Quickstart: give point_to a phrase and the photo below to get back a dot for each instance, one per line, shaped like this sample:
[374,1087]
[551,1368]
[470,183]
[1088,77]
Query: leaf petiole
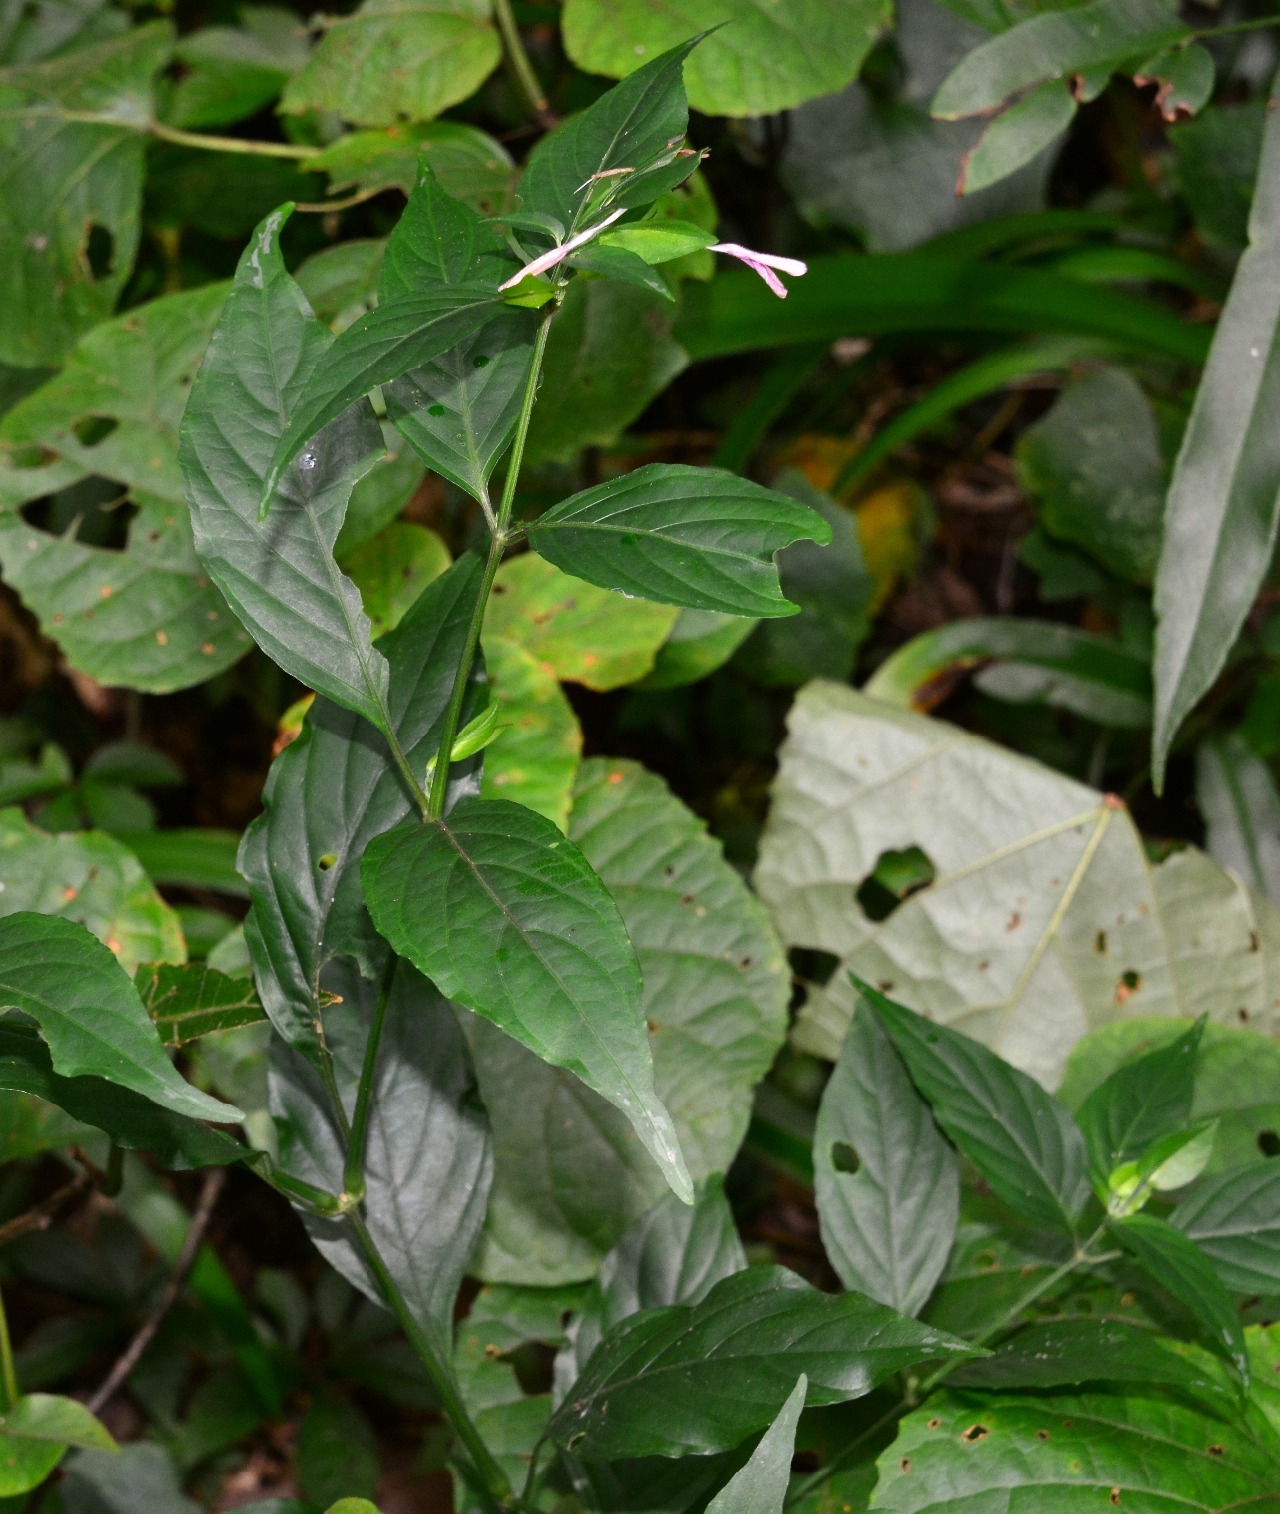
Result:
[8,1372]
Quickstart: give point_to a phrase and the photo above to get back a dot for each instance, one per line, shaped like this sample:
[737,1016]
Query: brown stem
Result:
[132,1354]
[40,1216]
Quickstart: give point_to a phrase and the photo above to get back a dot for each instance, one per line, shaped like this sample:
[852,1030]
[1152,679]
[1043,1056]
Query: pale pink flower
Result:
[558,254]
[764,263]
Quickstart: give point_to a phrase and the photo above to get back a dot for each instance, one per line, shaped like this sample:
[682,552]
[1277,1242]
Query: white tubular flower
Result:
[764,263]
[558,254]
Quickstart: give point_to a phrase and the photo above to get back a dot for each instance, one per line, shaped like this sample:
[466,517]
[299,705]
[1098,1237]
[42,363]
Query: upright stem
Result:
[8,1373]
[353,1181]
[520,64]
[497,544]
[493,1480]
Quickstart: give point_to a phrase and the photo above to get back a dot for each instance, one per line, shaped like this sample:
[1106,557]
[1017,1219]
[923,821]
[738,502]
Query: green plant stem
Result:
[353,1180]
[1235,26]
[518,58]
[209,143]
[493,1482]
[497,545]
[8,1372]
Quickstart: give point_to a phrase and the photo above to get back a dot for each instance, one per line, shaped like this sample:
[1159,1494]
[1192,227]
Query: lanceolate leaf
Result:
[1018,135]
[695,537]
[1234,1218]
[194,1000]
[90,1014]
[701,1377]
[761,1486]
[886,1182]
[1224,502]
[1181,1267]
[1027,1146]
[279,574]
[507,917]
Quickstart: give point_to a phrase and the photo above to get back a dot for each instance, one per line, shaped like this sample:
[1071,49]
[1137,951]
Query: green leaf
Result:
[195,1000]
[231,72]
[143,615]
[1217,159]
[886,1183]
[1095,467]
[1178,1158]
[1140,1102]
[583,634]
[1042,917]
[960,1452]
[930,292]
[188,858]
[337,1452]
[621,151]
[700,642]
[569,1183]
[1184,76]
[697,537]
[131,1120]
[47,1417]
[761,1486]
[392,62]
[609,355]
[1238,798]
[1099,34]
[471,165]
[71,133]
[140,1475]
[507,917]
[1026,1145]
[759,61]
[89,1012]
[91,879]
[657,241]
[701,1377]
[328,794]
[673,1254]
[279,574]
[1017,136]
[1234,1218]
[534,757]
[1223,507]
[1184,1270]
[392,569]
[427,1158]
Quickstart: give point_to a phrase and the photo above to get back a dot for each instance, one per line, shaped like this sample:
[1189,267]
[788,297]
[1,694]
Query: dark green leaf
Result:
[337,1453]
[1099,34]
[1223,507]
[1237,796]
[470,164]
[1180,1267]
[701,1377]
[232,72]
[623,266]
[89,1012]
[1217,159]
[279,574]
[1017,136]
[1027,1146]
[194,1000]
[886,1183]
[129,1119]
[1234,1218]
[138,1476]
[71,136]
[438,240]
[696,537]
[507,917]
[761,1486]
[194,858]
[1140,1102]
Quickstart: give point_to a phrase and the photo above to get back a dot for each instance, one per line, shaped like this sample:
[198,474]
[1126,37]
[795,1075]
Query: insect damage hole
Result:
[896,876]
[1269,1143]
[975,1433]
[844,1157]
[100,251]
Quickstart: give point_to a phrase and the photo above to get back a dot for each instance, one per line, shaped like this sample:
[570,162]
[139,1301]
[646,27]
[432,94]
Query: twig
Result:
[40,1216]
[132,1353]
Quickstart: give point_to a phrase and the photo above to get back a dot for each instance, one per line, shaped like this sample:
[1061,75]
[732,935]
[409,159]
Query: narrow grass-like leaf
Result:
[1024,1143]
[1223,507]
[695,537]
[506,916]
[886,1182]
[89,1013]
[761,1486]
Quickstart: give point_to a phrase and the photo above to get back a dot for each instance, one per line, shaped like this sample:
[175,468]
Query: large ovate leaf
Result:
[581,633]
[761,1486]
[427,1158]
[143,615]
[886,1182]
[1223,507]
[534,758]
[279,574]
[391,62]
[961,1452]
[570,1175]
[507,917]
[72,145]
[1238,798]
[1043,918]
[89,1012]
[1025,1144]
[701,1377]
[696,537]
[764,59]
[328,794]
[1234,1218]
[90,878]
